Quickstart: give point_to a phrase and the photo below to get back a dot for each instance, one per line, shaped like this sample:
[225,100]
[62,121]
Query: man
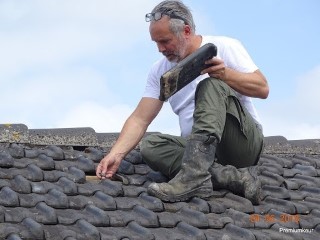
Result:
[221,138]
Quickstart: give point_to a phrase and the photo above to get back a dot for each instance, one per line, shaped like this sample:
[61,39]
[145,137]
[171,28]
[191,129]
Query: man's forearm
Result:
[249,84]
[131,134]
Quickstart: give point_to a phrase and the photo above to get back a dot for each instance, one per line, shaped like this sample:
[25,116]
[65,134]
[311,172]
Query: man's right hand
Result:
[108,166]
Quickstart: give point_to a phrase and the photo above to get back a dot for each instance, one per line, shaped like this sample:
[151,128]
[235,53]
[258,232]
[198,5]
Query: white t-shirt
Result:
[234,55]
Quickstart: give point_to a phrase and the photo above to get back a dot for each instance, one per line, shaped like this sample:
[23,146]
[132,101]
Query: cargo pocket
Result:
[236,110]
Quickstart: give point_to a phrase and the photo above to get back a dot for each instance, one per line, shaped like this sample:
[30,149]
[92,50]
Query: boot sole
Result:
[198,192]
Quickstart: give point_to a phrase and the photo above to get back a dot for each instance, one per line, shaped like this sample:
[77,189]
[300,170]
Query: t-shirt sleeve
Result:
[152,88]
[237,57]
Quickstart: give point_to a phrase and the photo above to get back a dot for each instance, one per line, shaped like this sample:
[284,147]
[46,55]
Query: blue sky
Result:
[81,63]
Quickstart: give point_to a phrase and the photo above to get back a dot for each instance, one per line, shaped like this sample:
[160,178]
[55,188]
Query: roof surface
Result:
[48,191]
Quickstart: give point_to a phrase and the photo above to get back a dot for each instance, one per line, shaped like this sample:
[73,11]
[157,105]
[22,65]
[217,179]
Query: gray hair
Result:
[179,9]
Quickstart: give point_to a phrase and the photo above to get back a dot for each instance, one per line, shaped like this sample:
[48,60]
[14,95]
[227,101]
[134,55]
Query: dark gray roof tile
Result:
[107,186]
[240,219]
[30,172]
[216,206]
[188,230]
[32,153]
[137,180]
[310,191]
[145,217]
[126,168]
[275,191]
[284,219]
[84,230]
[273,234]
[129,191]
[297,195]
[53,198]
[306,221]
[16,150]
[4,183]
[52,151]
[93,154]
[139,214]
[134,157]
[8,197]
[126,203]
[168,219]
[280,205]
[230,231]
[6,160]
[174,207]
[199,204]
[41,213]
[306,180]
[270,178]
[313,203]
[291,185]
[80,162]
[157,177]
[261,221]
[181,231]
[272,167]
[141,169]
[272,160]
[236,202]
[306,161]
[305,170]
[42,161]
[20,184]
[151,203]
[132,231]
[217,221]
[13,236]
[99,199]
[45,194]
[74,174]
[192,217]
[92,214]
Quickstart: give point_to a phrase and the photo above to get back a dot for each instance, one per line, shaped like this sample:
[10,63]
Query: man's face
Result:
[173,47]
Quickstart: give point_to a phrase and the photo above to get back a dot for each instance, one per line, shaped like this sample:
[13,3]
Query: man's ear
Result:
[187,30]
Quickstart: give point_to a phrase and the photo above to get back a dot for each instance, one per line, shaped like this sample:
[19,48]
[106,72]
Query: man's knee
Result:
[214,84]
[147,146]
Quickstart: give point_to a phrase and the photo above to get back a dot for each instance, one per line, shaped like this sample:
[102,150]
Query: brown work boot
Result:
[193,179]
[242,181]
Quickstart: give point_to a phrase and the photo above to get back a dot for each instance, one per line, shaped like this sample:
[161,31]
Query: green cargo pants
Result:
[217,112]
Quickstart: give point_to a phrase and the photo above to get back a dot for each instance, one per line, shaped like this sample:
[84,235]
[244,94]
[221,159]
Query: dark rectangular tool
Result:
[185,71]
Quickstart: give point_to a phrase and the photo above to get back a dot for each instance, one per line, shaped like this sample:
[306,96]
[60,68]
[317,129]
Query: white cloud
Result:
[55,58]
[307,92]
[112,118]
[298,116]
[166,122]
[100,118]
[55,53]
[57,32]
[44,98]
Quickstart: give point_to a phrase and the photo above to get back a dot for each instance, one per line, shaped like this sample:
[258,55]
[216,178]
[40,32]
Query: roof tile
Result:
[45,194]
[276,192]
[107,186]
[6,160]
[8,197]
[280,205]
[20,184]
[230,231]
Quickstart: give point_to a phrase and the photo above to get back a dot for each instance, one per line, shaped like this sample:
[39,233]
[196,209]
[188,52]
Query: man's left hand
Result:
[217,70]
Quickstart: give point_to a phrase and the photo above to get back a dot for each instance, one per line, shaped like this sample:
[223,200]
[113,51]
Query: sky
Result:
[84,63]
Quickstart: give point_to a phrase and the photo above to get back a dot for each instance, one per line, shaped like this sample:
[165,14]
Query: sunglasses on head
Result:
[158,15]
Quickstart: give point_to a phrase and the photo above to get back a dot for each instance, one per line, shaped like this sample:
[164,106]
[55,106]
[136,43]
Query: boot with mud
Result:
[242,181]
[193,179]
